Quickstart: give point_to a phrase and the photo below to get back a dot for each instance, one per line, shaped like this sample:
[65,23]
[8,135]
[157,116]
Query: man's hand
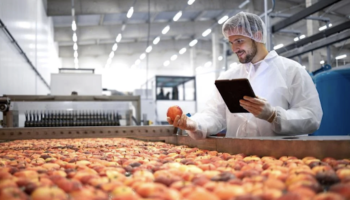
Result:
[183,122]
[259,107]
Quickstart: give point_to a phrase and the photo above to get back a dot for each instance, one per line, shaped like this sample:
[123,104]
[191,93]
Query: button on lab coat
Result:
[284,83]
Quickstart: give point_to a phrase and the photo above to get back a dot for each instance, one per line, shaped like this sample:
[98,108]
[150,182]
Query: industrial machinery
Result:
[333,89]
[65,111]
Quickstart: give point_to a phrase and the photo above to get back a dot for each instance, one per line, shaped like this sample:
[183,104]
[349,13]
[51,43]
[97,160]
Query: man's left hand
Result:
[259,107]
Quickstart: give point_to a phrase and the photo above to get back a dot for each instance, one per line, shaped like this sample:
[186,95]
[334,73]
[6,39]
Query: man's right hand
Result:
[183,122]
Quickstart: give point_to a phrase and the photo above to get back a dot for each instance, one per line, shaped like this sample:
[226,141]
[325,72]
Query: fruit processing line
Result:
[68,111]
[299,146]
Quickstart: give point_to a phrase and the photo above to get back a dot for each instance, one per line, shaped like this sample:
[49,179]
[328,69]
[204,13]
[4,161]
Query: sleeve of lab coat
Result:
[211,120]
[305,113]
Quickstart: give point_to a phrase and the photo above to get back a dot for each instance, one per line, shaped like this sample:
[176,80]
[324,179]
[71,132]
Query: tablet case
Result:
[232,91]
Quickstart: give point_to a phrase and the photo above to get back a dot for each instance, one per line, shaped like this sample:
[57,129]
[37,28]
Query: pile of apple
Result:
[118,169]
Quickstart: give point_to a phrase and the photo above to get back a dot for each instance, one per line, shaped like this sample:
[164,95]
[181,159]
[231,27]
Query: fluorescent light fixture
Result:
[223,19]
[75,54]
[324,27]
[206,32]
[115,47]
[111,55]
[123,27]
[109,61]
[76,66]
[296,39]
[340,57]
[243,4]
[137,62]
[156,40]
[165,30]
[177,16]
[207,64]
[75,38]
[278,46]
[322,62]
[190,2]
[75,46]
[74,25]
[76,61]
[193,42]
[142,56]
[173,57]
[166,63]
[220,58]
[119,37]
[149,49]
[130,12]
[302,36]
[182,51]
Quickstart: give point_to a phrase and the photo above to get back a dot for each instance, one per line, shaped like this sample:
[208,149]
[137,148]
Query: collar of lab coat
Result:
[271,55]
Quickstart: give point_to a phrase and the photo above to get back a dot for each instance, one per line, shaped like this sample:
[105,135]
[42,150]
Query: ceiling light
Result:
[76,61]
[111,55]
[182,51]
[190,2]
[75,46]
[156,40]
[177,16]
[243,4]
[296,39]
[149,49]
[207,64]
[75,54]
[165,30]
[302,36]
[324,27]
[76,66]
[166,63]
[220,58]
[193,42]
[75,38]
[123,27]
[322,62]
[130,12]
[278,46]
[115,47]
[223,19]
[119,37]
[173,57]
[137,62]
[142,56]
[340,57]
[74,25]
[206,32]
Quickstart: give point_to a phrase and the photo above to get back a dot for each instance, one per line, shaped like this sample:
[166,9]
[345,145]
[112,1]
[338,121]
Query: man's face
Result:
[244,47]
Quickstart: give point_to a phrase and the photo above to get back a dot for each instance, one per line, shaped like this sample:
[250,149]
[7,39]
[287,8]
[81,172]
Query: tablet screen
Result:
[232,91]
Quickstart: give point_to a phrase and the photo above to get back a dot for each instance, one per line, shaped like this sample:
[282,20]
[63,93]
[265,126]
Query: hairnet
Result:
[245,24]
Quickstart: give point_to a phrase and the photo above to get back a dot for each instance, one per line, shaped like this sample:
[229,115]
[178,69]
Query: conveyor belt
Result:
[299,146]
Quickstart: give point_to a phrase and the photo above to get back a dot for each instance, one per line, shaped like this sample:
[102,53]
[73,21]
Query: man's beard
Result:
[249,57]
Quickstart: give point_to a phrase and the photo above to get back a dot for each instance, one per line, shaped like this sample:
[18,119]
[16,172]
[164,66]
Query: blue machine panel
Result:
[333,87]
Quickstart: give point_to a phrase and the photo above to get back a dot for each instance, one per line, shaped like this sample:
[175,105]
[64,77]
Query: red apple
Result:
[174,111]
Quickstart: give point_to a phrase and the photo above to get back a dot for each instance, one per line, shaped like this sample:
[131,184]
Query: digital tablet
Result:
[232,91]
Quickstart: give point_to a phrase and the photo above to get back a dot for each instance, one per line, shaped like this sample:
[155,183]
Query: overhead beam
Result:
[318,44]
[132,31]
[281,15]
[84,7]
[318,36]
[302,14]
[130,48]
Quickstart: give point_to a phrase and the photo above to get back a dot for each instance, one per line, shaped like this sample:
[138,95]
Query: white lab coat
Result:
[284,83]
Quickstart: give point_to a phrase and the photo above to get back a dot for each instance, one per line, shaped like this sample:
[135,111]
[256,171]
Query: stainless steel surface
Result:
[300,146]
[42,103]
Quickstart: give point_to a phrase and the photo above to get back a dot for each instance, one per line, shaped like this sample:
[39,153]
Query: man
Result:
[287,101]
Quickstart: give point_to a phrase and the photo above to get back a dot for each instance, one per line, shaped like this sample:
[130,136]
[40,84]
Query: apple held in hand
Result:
[173,111]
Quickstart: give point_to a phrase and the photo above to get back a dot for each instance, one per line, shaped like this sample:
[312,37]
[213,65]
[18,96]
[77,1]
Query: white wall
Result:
[33,31]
